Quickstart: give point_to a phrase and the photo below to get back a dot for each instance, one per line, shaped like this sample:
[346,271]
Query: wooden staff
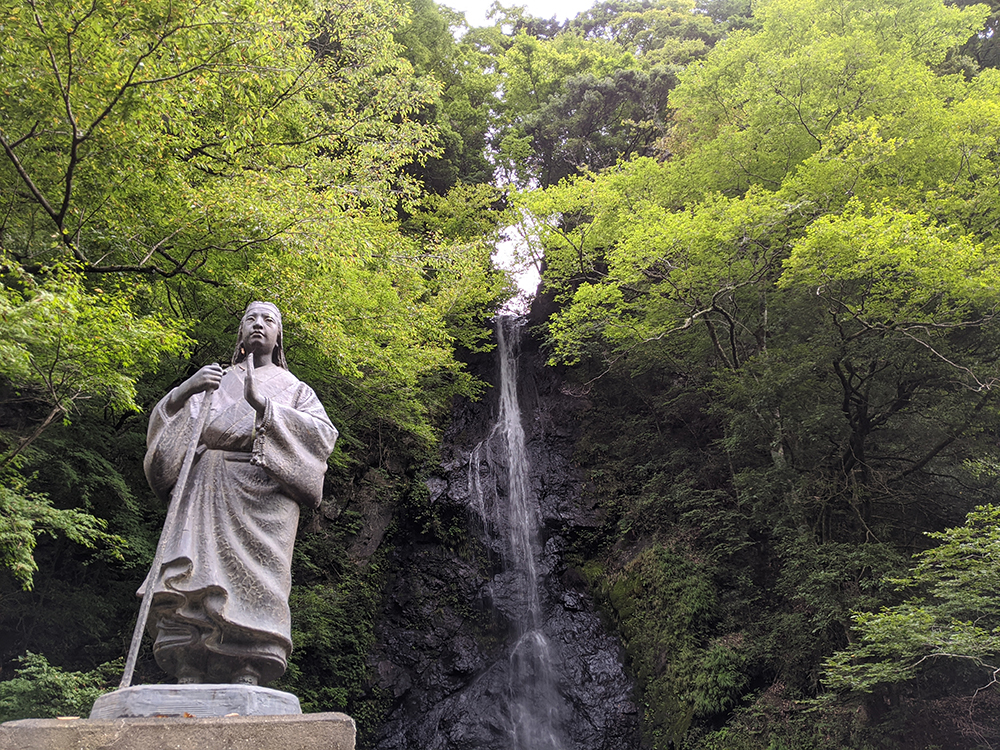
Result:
[172,511]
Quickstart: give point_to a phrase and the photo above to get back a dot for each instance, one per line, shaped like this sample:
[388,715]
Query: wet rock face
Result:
[446,638]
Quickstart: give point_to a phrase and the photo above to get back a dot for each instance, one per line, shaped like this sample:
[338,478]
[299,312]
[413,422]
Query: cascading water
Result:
[507,508]
[490,641]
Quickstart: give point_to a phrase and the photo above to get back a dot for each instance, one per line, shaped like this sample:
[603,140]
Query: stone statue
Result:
[219,611]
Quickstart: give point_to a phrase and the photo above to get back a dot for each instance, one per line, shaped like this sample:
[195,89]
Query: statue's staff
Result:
[172,511]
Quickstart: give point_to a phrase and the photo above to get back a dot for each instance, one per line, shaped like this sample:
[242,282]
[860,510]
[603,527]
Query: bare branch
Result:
[20,447]
[30,134]
[981,386]
[36,193]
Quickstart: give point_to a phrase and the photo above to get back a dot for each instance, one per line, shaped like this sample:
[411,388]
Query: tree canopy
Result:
[162,164]
[812,249]
[769,236]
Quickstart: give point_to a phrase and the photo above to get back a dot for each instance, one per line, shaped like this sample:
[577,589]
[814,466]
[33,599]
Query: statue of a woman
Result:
[220,599]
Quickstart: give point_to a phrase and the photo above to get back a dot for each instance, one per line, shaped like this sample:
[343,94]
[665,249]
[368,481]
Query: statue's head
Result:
[270,312]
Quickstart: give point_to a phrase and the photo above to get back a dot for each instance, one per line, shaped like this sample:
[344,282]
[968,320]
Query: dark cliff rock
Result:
[445,639]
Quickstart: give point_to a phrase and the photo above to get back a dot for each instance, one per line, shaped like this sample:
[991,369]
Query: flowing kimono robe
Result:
[220,598]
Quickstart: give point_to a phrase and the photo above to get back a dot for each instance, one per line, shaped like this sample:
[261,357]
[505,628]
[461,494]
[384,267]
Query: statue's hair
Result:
[278,355]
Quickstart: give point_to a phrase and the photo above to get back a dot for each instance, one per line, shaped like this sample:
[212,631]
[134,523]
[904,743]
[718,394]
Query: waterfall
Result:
[507,509]
[494,643]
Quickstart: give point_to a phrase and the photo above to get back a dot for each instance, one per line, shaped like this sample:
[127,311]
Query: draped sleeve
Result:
[292,442]
[167,440]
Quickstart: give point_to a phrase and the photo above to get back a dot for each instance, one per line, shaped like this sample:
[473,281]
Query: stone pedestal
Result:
[194,701]
[328,731]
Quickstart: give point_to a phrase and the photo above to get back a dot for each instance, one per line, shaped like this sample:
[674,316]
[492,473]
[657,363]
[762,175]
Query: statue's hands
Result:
[206,379]
[251,391]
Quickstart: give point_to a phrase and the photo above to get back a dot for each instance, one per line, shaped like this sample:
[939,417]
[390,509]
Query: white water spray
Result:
[535,707]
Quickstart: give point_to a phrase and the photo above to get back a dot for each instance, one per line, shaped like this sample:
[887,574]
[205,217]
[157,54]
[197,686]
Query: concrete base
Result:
[329,731]
[194,701]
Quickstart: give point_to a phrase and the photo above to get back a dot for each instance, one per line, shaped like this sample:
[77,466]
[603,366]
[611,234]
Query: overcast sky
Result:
[475,10]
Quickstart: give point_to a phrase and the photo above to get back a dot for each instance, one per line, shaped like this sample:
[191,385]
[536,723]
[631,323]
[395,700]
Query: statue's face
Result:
[260,329]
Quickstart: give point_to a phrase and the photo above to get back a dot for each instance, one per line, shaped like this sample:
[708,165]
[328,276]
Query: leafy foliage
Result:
[167,163]
[584,94]
[803,296]
[41,690]
[951,613]
[771,261]
[461,111]
[25,515]
[63,345]
[666,606]
[161,165]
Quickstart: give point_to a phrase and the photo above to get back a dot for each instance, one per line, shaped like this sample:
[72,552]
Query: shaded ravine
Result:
[495,644]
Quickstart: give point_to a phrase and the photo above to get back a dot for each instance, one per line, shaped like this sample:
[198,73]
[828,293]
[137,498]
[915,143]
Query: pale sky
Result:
[475,10]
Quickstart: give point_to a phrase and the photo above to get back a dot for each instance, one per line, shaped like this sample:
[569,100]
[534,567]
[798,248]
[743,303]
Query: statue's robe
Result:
[220,598]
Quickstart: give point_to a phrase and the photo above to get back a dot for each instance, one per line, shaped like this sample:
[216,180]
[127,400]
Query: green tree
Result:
[166,163]
[161,166]
[810,280]
[62,347]
[754,110]
[950,614]
[462,111]
[587,93]
[40,690]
